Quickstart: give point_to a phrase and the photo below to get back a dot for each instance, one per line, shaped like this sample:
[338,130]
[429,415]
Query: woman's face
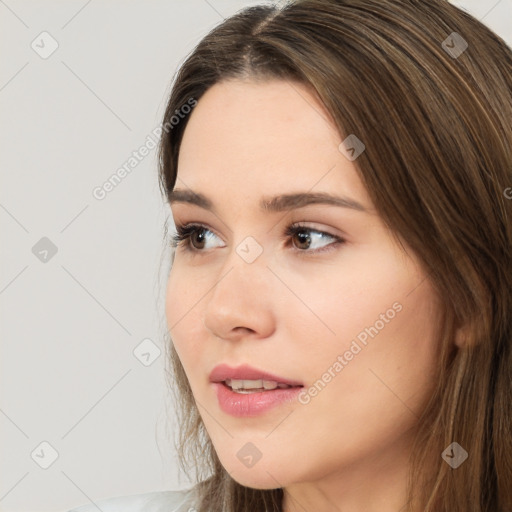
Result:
[352,320]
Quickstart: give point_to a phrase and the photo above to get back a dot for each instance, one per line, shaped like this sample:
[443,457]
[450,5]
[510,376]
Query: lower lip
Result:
[252,404]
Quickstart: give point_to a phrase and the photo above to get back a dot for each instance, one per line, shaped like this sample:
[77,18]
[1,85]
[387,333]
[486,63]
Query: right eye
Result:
[191,237]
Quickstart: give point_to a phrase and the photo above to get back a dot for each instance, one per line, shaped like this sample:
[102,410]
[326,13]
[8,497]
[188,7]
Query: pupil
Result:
[200,235]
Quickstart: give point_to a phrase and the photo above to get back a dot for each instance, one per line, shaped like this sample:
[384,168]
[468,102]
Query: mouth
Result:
[249,379]
[248,401]
[245,386]
[245,391]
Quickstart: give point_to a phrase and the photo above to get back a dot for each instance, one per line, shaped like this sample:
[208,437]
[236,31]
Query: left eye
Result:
[307,238]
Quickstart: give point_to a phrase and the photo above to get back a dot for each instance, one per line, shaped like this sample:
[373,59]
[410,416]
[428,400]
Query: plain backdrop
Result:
[84,408]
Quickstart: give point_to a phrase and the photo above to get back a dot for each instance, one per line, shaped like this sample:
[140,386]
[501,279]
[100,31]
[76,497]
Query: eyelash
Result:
[184,232]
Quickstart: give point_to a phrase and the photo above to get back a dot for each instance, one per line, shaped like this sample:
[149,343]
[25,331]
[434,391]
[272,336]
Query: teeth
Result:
[236,384]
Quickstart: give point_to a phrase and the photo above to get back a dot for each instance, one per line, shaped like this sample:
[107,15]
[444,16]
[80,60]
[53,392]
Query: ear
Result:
[461,337]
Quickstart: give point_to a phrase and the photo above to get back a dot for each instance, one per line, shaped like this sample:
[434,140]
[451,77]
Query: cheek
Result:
[182,314]
[388,362]
[410,358]
[339,302]
[380,319]
[376,397]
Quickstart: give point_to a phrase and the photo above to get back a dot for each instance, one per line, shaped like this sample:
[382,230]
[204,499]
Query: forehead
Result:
[246,115]
[262,138]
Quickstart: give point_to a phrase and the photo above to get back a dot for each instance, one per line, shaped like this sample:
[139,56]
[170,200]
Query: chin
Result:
[263,475]
[260,480]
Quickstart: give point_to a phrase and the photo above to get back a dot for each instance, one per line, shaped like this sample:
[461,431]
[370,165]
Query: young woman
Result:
[340,298]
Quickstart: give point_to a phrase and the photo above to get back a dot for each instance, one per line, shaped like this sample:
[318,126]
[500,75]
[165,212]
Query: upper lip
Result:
[245,372]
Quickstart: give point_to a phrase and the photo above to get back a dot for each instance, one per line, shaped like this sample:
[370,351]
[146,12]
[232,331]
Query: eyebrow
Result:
[274,204]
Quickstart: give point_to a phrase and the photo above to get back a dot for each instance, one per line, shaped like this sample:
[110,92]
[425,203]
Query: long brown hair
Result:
[434,110]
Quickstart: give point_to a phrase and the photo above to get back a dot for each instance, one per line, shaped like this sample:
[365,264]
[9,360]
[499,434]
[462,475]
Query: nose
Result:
[240,304]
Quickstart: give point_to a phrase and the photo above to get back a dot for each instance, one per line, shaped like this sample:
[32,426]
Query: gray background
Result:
[70,321]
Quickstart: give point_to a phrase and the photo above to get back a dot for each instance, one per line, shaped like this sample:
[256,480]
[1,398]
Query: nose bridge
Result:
[240,297]
[244,270]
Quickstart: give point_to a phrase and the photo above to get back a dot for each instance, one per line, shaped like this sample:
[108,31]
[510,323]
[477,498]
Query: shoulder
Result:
[163,501]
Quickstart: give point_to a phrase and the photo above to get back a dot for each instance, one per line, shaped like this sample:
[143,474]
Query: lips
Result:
[245,372]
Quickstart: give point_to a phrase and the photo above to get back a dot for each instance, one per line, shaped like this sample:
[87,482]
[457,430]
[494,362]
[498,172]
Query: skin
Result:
[293,313]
